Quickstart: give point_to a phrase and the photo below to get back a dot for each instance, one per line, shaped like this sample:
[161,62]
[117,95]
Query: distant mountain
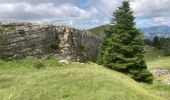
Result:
[162,30]
[150,32]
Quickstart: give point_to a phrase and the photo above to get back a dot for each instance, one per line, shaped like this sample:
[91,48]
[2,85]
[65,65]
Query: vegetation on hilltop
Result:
[160,43]
[99,29]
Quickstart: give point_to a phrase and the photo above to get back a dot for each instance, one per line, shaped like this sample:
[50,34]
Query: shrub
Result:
[39,65]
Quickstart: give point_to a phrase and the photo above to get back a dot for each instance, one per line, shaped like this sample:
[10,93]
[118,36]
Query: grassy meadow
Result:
[155,59]
[22,80]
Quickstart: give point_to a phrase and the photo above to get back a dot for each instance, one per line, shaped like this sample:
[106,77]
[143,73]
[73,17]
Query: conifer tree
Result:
[122,49]
[157,42]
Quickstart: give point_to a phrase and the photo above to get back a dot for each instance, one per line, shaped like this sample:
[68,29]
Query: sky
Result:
[82,14]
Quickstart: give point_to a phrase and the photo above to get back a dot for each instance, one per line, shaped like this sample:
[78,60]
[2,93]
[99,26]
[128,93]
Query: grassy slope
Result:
[98,29]
[19,81]
[155,59]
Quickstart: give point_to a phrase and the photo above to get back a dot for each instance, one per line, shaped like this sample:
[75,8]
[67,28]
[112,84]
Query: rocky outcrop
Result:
[159,72]
[163,73]
[20,40]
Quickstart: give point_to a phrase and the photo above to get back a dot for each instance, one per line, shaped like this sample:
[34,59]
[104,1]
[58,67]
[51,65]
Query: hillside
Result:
[99,29]
[20,81]
[156,59]
[149,32]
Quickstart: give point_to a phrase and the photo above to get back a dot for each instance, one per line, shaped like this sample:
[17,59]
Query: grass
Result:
[99,29]
[155,59]
[162,63]
[153,54]
[20,81]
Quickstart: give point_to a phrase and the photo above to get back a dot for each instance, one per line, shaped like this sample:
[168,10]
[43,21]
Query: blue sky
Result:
[82,14]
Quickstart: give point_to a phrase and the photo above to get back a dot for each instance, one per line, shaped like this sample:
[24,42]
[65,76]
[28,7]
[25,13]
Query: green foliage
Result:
[165,45]
[166,48]
[141,75]
[1,30]
[99,29]
[54,46]
[122,49]
[148,42]
[156,42]
[39,65]
[162,43]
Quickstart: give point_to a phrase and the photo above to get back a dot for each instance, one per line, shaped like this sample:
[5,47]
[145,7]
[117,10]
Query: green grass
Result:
[98,29]
[19,80]
[162,63]
[155,59]
[153,54]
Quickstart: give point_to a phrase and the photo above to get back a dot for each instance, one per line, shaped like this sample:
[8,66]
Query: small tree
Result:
[147,42]
[165,45]
[122,50]
[156,42]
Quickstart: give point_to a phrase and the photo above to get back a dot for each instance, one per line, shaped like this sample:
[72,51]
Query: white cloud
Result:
[105,7]
[27,11]
[35,2]
[161,21]
[151,8]
[108,6]
[69,12]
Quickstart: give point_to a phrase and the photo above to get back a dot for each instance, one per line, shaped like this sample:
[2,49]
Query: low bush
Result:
[38,65]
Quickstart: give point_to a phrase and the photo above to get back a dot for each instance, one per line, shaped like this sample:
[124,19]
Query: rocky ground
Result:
[162,74]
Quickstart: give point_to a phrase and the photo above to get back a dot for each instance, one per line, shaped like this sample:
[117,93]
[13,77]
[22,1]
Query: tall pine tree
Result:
[122,49]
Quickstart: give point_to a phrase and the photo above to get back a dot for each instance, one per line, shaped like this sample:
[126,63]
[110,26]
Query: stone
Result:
[31,57]
[166,81]
[162,73]
[63,61]
[17,56]
[159,72]
[46,57]
[40,40]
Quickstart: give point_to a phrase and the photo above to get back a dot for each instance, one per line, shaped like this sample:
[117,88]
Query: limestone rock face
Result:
[21,40]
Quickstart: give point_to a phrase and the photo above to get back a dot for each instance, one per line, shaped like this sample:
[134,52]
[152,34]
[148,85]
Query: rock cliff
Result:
[21,40]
